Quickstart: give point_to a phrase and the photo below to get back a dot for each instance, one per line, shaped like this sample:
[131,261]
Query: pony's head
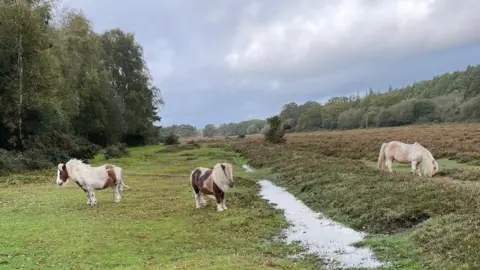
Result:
[227,173]
[429,164]
[62,174]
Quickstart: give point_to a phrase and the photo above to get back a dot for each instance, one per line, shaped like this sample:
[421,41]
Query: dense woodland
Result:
[451,97]
[66,91]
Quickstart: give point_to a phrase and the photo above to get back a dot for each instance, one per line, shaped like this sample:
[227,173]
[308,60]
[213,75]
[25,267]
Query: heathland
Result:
[416,222]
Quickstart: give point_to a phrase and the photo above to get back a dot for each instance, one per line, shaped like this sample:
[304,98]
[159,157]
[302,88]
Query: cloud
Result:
[326,36]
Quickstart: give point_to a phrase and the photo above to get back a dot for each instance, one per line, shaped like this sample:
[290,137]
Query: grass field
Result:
[155,226]
[413,222]
[419,223]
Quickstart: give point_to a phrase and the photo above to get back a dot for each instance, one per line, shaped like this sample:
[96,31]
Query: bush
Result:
[58,147]
[276,131]
[171,139]
[241,136]
[46,150]
[116,151]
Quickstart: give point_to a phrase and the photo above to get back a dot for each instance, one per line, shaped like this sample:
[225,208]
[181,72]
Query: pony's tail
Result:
[381,157]
[120,179]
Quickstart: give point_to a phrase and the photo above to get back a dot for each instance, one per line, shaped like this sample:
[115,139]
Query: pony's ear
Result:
[223,166]
[60,166]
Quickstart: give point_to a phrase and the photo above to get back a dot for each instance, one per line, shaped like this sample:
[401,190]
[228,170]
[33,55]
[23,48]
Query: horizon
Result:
[264,55]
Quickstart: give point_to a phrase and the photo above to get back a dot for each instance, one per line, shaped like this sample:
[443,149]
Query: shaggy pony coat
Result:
[414,153]
[213,183]
[90,178]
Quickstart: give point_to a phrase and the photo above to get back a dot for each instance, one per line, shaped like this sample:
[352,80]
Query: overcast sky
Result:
[220,61]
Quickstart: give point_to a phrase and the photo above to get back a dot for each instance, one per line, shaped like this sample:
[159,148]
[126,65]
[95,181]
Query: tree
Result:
[311,119]
[276,131]
[65,89]
[252,129]
[132,83]
[265,129]
[350,119]
[209,130]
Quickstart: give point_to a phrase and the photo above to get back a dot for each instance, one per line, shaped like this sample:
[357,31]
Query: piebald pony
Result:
[414,153]
[212,182]
[90,178]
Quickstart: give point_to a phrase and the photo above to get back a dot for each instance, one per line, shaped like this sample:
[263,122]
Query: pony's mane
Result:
[426,151]
[219,176]
[77,163]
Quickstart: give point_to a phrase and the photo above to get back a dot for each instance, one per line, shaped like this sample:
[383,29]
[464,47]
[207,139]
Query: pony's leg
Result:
[201,199]
[93,200]
[197,199]
[116,193]
[196,193]
[219,200]
[414,166]
[89,201]
[389,164]
[222,196]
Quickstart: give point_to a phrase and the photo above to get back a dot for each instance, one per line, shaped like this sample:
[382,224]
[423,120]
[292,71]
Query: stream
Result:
[331,240]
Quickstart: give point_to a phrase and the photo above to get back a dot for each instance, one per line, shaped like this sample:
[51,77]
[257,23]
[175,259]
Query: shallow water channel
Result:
[331,240]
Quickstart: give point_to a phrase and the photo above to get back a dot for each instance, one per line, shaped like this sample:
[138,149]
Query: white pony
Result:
[414,153]
[90,178]
[212,182]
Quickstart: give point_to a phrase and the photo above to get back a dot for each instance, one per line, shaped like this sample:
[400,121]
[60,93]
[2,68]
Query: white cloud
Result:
[322,35]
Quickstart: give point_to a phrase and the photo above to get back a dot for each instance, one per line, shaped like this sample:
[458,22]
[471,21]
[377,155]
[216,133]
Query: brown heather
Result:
[426,223]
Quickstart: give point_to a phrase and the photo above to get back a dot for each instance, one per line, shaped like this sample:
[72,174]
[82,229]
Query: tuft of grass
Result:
[155,226]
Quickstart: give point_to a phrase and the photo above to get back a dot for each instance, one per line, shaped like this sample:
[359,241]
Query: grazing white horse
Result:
[90,178]
[212,182]
[414,153]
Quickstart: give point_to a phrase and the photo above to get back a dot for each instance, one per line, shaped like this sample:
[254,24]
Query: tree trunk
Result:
[20,88]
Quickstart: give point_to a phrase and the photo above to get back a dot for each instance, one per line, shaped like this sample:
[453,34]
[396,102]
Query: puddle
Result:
[247,168]
[331,240]
[319,235]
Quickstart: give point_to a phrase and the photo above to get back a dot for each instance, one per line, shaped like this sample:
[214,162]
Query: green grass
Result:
[155,226]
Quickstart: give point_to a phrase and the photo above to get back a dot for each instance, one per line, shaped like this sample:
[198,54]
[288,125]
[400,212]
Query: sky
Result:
[221,61]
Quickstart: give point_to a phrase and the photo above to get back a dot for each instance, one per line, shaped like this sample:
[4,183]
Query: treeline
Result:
[232,129]
[66,91]
[451,97]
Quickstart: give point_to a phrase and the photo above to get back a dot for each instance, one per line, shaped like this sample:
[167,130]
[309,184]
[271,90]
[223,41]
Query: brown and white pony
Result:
[212,182]
[414,153]
[90,178]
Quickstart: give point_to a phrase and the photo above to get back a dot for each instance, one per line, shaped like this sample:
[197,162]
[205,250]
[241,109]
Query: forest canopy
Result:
[65,90]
